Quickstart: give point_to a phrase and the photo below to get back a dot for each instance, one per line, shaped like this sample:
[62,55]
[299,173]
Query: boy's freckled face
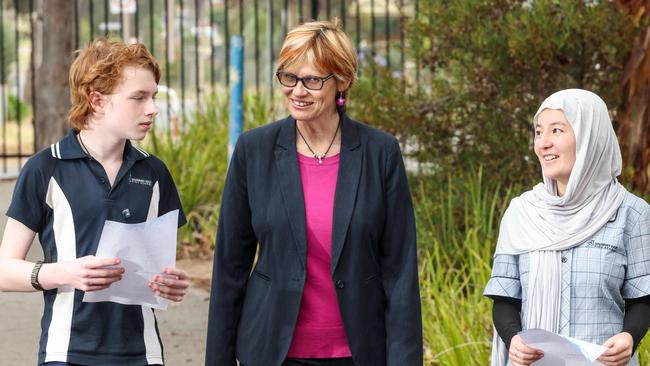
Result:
[131,107]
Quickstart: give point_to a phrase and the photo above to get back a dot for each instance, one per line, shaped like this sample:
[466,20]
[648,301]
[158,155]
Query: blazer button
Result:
[563,259]
[340,284]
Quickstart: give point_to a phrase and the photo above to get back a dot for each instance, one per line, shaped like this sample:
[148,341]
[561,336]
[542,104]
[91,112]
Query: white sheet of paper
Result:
[144,250]
[561,350]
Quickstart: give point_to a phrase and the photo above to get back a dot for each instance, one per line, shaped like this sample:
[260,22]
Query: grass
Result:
[456,231]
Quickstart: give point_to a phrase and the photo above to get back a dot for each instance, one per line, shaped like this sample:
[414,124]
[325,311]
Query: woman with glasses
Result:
[573,254]
[323,202]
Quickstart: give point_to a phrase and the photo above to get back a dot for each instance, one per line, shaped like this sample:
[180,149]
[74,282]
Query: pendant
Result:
[319,157]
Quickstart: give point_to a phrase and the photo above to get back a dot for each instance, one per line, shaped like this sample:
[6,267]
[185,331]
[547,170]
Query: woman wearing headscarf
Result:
[573,253]
[324,202]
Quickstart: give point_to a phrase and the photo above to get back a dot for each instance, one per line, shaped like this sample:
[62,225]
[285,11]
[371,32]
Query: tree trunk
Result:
[634,123]
[54,46]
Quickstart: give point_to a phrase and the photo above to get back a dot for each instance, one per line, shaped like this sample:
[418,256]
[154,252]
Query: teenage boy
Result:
[66,192]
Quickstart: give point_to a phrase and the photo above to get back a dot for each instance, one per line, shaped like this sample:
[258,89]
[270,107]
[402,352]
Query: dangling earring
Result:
[340,101]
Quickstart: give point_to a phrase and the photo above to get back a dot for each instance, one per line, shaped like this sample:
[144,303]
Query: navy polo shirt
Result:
[65,196]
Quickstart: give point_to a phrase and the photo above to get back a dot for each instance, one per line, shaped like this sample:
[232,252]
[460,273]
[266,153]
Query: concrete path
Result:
[182,327]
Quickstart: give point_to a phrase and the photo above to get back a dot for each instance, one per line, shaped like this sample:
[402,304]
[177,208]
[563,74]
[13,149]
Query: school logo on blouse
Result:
[594,244]
[144,182]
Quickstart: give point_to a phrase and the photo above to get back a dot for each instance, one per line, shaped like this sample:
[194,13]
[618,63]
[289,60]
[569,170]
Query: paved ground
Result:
[182,326]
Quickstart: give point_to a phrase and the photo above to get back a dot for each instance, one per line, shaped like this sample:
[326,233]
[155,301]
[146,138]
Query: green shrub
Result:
[14,105]
[486,67]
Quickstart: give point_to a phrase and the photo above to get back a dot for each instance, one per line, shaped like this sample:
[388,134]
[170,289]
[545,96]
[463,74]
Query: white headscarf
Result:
[541,220]
[542,223]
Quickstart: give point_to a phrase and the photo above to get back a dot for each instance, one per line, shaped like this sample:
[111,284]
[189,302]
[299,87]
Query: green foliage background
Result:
[466,123]
[487,66]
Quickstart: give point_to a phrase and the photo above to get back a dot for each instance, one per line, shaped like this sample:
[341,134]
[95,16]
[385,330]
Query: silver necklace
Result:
[322,156]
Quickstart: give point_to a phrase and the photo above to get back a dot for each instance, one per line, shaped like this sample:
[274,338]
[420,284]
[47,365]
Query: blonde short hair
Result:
[98,67]
[322,44]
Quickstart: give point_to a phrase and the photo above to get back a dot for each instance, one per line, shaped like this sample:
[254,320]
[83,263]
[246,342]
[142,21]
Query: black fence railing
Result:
[190,39]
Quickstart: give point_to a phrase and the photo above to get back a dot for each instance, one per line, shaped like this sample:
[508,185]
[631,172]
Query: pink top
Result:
[319,330]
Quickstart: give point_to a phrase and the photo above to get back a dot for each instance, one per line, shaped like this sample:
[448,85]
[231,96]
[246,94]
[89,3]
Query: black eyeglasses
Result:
[309,82]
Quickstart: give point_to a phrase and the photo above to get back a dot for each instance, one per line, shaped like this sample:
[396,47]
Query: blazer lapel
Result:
[286,160]
[346,186]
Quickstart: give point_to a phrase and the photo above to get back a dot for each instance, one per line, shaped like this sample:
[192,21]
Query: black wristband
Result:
[34,277]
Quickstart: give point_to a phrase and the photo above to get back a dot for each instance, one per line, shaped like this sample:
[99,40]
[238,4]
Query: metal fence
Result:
[190,39]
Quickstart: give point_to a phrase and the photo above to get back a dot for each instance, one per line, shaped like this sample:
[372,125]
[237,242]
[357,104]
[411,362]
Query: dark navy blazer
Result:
[252,315]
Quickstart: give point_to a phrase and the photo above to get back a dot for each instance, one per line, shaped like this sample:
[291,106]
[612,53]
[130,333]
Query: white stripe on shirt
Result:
[58,333]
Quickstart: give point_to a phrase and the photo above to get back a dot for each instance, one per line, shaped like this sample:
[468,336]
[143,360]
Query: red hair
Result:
[98,68]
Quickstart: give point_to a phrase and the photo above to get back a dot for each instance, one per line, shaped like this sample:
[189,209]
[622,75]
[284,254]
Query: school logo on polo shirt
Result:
[144,182]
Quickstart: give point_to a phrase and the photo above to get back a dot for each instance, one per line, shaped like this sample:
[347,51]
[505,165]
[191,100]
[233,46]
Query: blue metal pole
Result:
[236,91]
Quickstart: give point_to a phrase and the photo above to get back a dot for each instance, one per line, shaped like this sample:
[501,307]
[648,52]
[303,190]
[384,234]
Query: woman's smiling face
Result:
[555,146]
[310,105]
